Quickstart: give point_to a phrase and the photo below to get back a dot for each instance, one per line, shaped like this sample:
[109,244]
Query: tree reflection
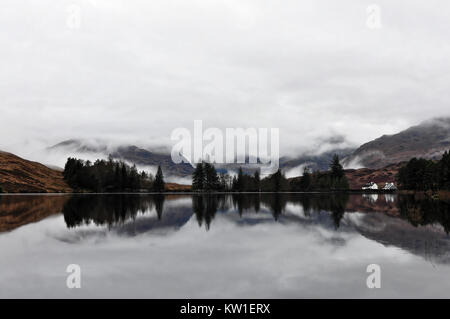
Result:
[158,200]
[206,206]
[421,211]
[334,203]
[246,202]
[276,202]
[109,209]
[117,209]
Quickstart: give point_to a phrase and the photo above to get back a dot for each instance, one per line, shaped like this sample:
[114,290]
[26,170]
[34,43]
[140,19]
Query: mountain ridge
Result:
[429,139]
[141,156]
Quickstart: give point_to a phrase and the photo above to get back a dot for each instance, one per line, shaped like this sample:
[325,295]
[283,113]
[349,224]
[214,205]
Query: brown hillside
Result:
[173,187]
[357,178]
[21,176]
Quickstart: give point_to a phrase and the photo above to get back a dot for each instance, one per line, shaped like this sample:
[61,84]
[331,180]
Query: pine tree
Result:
[123,176]
[211,178]
[198,178]
[337,171]
[234,184]
[257,180]
[444,171]
[240,181]
[305,180]
[277,181]
[117,177]
[158,184]
[337,178]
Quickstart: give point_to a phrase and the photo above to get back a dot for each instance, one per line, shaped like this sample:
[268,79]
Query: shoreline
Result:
[420,194]
[208,193]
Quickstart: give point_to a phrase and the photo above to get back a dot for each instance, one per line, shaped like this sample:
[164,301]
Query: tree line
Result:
[117,176]
[206,179]
[333,179]
[110,176]
[423,175]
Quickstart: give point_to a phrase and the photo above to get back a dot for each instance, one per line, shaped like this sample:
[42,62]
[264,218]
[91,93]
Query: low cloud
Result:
[134,71]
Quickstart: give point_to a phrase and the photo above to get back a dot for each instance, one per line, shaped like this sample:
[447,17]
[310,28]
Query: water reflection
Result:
[109,209]
[205,208]
[117,210]
[277,245]
[418,225]
[425,211]
[16,210]
[113,210]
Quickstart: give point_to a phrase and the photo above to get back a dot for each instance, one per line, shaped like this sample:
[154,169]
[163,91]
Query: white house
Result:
[389,186]
[370,185]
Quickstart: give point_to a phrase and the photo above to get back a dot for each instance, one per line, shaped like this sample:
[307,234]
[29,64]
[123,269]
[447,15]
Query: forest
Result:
[110,176]
[104,176]
[206,179]
[424,175]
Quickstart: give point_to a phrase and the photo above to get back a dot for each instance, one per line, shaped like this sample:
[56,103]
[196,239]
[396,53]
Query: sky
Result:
[326,73]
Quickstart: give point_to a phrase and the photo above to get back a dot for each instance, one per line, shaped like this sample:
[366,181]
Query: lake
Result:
[224,246]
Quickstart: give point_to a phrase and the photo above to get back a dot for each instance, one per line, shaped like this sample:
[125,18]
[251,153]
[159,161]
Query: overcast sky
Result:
[135,70]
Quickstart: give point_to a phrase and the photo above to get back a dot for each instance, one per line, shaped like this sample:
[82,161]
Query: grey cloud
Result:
[135,71]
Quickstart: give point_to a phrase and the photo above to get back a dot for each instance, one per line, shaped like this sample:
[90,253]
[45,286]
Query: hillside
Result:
[428,140]
[357,178]
[314,162]
[21,176]
[128,153]
[174,187]
[144,157]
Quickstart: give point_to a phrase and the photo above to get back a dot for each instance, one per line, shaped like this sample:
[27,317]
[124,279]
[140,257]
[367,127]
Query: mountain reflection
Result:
[117,209]
[417,224]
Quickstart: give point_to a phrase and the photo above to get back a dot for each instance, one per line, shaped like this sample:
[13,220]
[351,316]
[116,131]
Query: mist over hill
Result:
[148,158]
[129,153]
[430,140]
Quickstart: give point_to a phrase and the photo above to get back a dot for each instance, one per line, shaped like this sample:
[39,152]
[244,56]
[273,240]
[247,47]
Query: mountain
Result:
[132,154]
[314,162]
[81,146]
[18,175]
[141,156]
[144,157]
[427,140]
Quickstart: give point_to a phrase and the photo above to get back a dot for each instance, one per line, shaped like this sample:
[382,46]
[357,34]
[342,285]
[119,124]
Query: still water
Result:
[224,246]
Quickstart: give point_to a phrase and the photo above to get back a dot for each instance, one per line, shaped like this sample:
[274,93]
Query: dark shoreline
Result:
[445,194]
[207,193]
